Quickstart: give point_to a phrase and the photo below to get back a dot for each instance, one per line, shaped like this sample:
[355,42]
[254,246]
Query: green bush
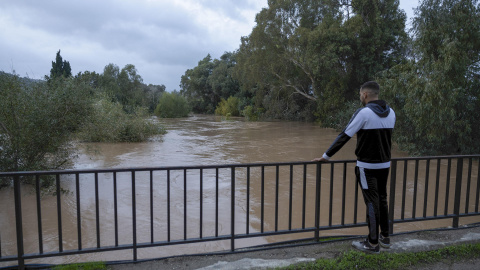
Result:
[172,105]
[228,107]
[37,121]
[251,114]
[109,123]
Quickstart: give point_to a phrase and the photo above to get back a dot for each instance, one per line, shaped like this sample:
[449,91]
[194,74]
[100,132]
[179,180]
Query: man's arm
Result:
[339,142]
[353,127]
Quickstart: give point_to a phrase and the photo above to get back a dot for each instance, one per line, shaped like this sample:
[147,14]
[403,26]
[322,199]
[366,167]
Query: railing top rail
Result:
[194,167]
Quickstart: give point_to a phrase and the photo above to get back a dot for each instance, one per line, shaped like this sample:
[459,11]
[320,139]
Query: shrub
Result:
[172,105]
[109,123]
[37,121]
[228,107]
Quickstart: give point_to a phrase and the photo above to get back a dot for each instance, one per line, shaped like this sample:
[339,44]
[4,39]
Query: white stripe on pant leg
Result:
[363,179]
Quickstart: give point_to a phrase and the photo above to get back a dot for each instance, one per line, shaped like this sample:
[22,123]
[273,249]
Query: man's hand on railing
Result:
[320,159]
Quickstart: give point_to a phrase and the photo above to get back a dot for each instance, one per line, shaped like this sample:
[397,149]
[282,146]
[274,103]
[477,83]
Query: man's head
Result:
[369,91]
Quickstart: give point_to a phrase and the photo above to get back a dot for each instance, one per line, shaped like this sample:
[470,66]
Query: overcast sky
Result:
[162,38]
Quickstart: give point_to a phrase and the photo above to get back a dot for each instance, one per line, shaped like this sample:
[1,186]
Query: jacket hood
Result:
[379,107]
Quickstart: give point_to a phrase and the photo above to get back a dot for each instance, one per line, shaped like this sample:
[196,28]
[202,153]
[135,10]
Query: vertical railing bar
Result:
[262,199]
[19,222]
[39,214]
[79,219]
[425,196]
[458,192]
[478,187]
[201,203]
[317,201]
[393,184]
[59,214]
[247,224]
[134,216]
[232,211]
[304,198]
[97,211]
[415,188]
[330,207]
[290,200]
[216,202]
[276,196]
[115,207]
[168,206]
[469,179]
[344,184]
[185,204]
[437,187]
[404,188]
[151,206]
[447,190]
[355,204]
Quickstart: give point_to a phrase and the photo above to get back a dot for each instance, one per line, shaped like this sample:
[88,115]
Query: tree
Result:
[37,121]
[307,56]
[60,68]
[172,105]
[197,89]
[437,92]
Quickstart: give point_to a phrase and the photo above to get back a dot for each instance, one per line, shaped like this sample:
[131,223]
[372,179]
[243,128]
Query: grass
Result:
[359,260]
[82,266]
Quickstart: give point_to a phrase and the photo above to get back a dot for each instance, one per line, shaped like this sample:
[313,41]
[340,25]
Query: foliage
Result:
[172,105]
[37,121]
[360,260]
[124,86]
[306,58]
[108,122]
[228,107]
[436,93]
[60,68]
[211,80]
[250,114]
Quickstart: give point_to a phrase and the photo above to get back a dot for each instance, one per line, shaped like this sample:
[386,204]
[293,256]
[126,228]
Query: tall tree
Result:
[307,52]
[197,89]
[60,67]
[437,93]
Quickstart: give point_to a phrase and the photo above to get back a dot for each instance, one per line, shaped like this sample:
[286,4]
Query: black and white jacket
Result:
[373,125]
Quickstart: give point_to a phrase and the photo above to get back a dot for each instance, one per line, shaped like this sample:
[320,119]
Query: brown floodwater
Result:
[203,140]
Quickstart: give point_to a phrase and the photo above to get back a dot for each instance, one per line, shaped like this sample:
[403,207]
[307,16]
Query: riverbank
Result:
[284,256]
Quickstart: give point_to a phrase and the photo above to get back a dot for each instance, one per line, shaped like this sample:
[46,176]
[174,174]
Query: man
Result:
[373,125]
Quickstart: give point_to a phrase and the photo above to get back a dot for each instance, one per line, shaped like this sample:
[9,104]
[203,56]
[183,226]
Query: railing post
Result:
[134,217]
[458,189]
[317,202]
[391,204]
[19,222]
[232,211]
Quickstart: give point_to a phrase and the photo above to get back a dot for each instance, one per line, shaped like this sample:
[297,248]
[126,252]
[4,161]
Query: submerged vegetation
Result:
[41,119]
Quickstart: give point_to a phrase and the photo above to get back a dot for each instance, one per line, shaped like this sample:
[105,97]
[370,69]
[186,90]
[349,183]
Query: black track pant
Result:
[374,189]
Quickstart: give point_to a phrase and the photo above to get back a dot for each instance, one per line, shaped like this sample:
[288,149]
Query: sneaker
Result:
[365,246]
[384,241]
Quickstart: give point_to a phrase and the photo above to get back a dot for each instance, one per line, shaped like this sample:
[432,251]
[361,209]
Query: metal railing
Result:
[197,204]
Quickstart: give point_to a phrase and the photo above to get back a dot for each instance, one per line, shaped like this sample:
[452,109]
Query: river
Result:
[197,140]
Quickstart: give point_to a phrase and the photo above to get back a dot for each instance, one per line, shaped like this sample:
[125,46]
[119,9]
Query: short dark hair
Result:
[372,86]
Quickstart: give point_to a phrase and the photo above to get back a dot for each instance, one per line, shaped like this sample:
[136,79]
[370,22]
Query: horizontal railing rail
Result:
[140,208]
